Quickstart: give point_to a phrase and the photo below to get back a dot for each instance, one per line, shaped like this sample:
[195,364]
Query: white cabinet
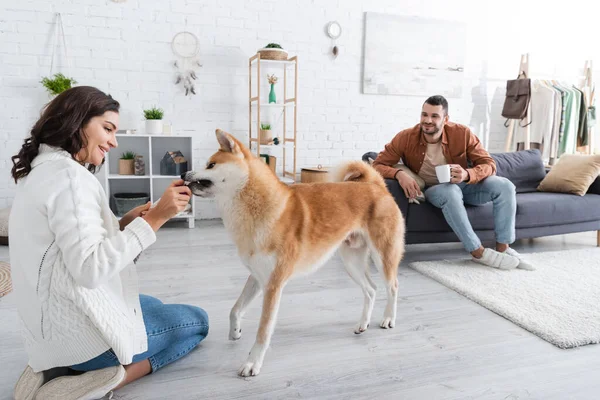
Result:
[153,148]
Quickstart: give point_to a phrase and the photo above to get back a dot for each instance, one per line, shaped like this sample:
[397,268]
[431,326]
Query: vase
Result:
[272,98]
[139,165]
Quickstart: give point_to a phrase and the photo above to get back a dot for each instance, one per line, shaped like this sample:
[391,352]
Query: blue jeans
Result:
[451,198]
[173,331]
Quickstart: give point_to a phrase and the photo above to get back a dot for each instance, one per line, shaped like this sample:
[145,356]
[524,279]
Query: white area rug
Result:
[559,301]
[5,281]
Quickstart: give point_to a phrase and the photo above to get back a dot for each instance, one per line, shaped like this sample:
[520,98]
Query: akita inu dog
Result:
[281,231]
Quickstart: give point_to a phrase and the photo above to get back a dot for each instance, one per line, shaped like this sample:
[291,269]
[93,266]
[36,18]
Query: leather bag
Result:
[518,97]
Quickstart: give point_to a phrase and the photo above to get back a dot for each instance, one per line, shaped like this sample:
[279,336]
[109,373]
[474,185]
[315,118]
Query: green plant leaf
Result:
[57,84]
[128,155]
[154,113]
[273,46]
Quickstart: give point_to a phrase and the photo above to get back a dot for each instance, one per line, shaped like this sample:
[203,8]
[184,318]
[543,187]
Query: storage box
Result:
[173,163]
[271,161]
[125,202]
[318,174]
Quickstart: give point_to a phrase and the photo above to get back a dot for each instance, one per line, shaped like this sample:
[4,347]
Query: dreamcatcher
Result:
[186,47]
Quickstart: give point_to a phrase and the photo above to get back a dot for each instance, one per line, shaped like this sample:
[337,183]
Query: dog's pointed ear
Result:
[226,141]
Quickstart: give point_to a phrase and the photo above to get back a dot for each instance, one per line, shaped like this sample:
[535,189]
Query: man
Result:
[435,141]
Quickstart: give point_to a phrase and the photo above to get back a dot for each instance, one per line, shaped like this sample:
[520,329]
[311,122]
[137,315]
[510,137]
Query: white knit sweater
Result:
[72,268]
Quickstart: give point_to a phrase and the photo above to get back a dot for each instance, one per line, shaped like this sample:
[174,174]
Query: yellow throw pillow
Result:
[416,177]
[573,173]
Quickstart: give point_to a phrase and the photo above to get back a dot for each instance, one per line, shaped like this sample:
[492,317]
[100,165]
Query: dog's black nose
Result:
[183,175]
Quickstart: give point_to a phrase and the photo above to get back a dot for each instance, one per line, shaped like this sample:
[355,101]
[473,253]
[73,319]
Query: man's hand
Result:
[132,214]
[409,185]
[458,174]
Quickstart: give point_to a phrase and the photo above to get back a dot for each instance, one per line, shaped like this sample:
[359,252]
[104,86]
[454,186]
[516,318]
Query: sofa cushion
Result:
[547,209]
[524,168]
[574,173]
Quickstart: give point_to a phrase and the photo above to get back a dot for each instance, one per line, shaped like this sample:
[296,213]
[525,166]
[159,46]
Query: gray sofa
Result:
[538,213]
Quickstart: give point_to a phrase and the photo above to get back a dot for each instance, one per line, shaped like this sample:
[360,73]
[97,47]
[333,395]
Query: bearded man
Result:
[434,142]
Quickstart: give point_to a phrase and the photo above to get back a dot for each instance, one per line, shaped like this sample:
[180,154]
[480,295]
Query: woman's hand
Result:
[132,214]
[174,200]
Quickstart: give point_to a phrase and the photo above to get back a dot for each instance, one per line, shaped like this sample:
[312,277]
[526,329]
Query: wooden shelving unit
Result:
[288,143]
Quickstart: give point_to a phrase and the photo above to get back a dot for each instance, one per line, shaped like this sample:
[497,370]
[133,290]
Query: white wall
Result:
[124,49]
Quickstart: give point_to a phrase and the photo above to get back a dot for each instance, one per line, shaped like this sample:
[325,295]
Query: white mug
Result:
[443,173]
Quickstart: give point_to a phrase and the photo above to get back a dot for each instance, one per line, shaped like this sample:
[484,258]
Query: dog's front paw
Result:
[235,326]
[235,333]
[388,323]
[249,368]
[361,327]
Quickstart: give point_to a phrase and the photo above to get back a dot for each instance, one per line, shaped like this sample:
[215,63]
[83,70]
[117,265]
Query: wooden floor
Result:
[443,347]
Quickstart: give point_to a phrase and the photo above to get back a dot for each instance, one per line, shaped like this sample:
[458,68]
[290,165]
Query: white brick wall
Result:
[124,49]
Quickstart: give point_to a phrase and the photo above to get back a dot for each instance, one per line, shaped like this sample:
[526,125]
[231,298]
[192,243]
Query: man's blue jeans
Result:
[451,198]
[173,331]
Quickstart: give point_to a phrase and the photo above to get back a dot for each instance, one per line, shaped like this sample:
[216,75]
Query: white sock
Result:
[493,258]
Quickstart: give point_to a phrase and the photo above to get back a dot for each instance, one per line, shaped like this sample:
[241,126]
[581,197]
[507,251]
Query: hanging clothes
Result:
[569,132]
[582,129]
[556,123]
[571,140]
[576,115]
[542,117]
[561,118]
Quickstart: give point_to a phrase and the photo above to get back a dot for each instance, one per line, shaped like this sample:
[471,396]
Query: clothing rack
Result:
[585,86]
[523,73]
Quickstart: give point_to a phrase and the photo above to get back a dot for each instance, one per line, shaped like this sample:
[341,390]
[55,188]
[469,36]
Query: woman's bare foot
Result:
[135,371]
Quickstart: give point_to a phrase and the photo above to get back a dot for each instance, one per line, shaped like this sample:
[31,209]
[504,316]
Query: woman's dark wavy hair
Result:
[61,125]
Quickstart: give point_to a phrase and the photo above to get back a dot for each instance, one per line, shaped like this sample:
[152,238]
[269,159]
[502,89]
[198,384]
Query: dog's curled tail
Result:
[357,171]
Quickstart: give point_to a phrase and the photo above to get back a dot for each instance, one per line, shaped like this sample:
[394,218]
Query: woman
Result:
[72,261]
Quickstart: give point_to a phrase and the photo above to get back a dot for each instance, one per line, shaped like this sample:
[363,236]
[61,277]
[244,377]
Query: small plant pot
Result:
[265,136]
[273,54]
[154,126]
[126,167]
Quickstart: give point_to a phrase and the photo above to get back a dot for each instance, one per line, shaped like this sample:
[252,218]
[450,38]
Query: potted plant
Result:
[126,163]
[273,51]
[154,123]
[265,134]
[57,84]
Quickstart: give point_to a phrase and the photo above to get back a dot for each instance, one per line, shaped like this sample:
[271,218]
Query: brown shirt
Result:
[459,144]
